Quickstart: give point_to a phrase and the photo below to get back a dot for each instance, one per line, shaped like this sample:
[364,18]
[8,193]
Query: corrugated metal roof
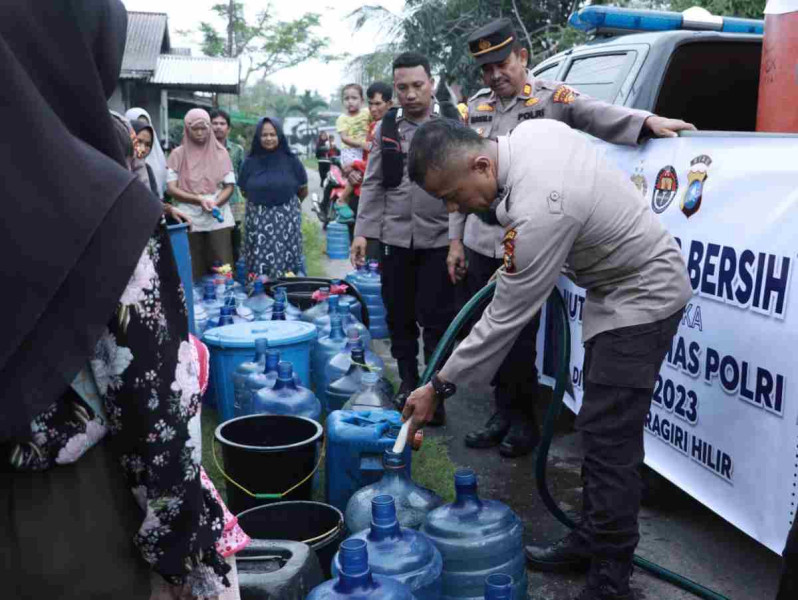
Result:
[147,37]
[200,73]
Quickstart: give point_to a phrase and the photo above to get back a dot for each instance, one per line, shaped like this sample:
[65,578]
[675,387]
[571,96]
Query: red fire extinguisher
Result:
[778,80]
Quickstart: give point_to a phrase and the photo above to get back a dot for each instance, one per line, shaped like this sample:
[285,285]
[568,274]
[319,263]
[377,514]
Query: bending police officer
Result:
[564,205]
[514,96]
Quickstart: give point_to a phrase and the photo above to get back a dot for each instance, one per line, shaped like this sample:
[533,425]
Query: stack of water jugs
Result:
[318,364]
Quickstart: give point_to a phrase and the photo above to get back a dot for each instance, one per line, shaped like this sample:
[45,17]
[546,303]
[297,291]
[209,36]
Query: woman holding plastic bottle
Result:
[200,179]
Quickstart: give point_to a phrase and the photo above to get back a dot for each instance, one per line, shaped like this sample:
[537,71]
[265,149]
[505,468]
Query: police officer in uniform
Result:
[412,229]
[515,96]
[565,206]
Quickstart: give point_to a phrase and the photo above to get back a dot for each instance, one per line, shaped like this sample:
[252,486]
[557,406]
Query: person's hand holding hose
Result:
[419,410]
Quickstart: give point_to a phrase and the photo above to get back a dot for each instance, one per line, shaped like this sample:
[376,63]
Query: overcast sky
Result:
[312,75]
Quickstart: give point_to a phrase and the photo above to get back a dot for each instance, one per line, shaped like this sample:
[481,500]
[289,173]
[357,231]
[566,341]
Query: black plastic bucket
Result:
[268,454]
[318,525]
[299,291]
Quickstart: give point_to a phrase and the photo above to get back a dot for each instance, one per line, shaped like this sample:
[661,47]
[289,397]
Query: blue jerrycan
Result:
[355,581]
[398,552]
[355,445]
[476,538]
[413,502]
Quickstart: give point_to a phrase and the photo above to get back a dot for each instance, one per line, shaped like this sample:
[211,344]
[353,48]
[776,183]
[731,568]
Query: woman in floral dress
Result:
[100,490]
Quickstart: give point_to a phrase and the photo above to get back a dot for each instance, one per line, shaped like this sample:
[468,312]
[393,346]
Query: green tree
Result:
[309,106]
[266,44]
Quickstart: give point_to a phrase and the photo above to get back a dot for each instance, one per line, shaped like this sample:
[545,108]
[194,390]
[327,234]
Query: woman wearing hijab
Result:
[98,386]
[156,159]
[274,182]
[200,179]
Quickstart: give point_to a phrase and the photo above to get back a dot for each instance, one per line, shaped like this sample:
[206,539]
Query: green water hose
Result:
[562,384]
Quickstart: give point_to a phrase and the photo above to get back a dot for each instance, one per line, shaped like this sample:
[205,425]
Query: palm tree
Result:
[309,107]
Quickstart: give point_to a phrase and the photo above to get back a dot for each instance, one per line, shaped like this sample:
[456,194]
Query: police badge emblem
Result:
[665,187]
[483,44]
[509,251]
[696,176]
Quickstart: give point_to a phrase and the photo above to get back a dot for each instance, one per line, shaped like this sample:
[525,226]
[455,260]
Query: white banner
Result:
[723,422]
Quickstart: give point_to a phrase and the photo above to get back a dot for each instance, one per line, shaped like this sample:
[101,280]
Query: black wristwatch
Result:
[442,389]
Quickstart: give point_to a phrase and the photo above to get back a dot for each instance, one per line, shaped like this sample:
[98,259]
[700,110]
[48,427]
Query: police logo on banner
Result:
[696,176]
[665,187]
[640,180]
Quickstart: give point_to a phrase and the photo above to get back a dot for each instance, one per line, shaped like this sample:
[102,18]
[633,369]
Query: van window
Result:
[599,75]
[548,72]
[712,84]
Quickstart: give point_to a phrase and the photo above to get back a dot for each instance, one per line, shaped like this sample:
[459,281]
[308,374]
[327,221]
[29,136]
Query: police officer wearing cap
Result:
[514,96]
[565,206]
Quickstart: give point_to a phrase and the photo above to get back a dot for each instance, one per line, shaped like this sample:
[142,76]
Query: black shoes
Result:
[608,580]
[571,553]
[522,438]
[491,434]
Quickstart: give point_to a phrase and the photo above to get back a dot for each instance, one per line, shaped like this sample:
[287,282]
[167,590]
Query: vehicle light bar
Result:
[598,19]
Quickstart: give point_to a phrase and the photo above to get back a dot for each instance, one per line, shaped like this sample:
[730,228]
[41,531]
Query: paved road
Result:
[678,533]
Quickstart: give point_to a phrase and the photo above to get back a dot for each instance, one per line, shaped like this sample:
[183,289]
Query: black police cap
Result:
[493,42]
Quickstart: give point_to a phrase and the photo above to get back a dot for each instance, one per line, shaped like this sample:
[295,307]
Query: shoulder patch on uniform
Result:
[527,89]
[509,250]
[564,95]
[485,108]
[481,92]
[532,102]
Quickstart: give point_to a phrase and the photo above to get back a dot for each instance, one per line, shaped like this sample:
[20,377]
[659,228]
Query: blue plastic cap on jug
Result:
[465,485]
[262,346]
[498,586]
[272,360]
[336,326]
[384,524]
[226,316]
[258,287]
[354,563]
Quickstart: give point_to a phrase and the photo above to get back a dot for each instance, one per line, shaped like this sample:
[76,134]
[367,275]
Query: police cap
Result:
[493,42]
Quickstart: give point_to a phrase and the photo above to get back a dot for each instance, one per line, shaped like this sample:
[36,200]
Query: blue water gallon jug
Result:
[200,315]
[246,369]
[211,304]
[370,396]
[355,445]
[369,284]
[286,397]
[282,310]
[320,308]
[476,538]
[234,344]
[340,363]
[340,390]
[355,581]
[348,320]
[353,276]
[323,350]
[259,303]
[499,586]
[225,316]
[337,241]
[397,552]
[241,271]
[413,502]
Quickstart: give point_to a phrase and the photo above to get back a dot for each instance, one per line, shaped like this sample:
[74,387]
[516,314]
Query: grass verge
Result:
[313,242]
[209,422]
[432,468]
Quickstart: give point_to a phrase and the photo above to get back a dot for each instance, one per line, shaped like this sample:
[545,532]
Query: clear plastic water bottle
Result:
[340,363]
[291,312]
[369,396]
[200,315]
[348,320]
[259,303]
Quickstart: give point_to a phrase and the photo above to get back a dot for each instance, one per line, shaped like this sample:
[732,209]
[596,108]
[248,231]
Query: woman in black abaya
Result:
[99,449]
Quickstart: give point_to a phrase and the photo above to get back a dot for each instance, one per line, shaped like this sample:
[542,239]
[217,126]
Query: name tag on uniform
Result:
[482,118]
[532,114]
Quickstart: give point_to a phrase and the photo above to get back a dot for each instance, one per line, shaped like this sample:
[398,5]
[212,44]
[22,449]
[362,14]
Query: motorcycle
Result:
[332,189]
